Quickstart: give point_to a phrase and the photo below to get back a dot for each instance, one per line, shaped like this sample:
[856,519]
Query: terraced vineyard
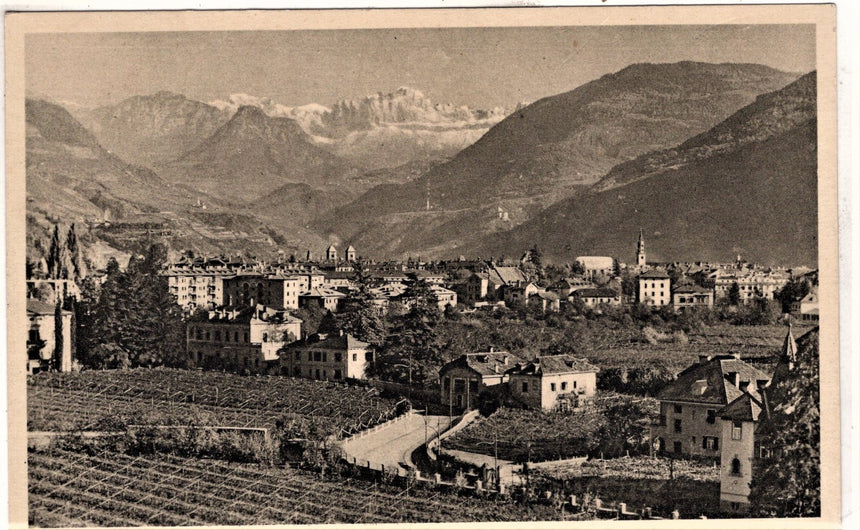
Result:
[114,489]
[59,402]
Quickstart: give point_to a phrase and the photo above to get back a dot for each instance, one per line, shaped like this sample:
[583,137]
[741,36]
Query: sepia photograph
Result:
[423,266]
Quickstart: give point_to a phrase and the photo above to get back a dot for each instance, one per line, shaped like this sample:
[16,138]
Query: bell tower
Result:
[640,250]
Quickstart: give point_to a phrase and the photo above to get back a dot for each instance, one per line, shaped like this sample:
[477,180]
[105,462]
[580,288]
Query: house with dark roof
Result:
[594,297]
[322,297]
[462,379]
[545,301]
[689,421]
[553,382]
[334,357]
[744,424]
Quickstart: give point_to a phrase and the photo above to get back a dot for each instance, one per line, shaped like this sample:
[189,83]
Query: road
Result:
[392,444]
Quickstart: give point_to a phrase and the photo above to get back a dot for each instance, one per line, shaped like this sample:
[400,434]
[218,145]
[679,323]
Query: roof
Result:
[484,363]
[746,407]
[691,289]
[546,295]
[322,292]
[654,273]
[343,341]
[507,275]
[712,381]
[39,307]
[596,262]
[596,293]
[554,364]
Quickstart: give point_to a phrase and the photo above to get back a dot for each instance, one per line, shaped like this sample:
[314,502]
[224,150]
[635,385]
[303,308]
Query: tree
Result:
[56,255]
[787,481]
[59,339]
[361,317]
[75,261]
[136,312]
[795,289]
[735,294]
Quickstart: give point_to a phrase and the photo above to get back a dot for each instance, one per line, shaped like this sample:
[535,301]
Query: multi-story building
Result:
[692,296]
[654,288]
[43,336]
[240,339]
[461,380]
[750,283]
[327,357]
[597,296]
[272,290]
[689,405]
[328,299]
[597,266]
[553,382]
[444,297]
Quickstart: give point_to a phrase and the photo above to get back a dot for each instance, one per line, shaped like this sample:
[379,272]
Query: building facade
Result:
[44,335]
[327,358]
[461,380]
[553,382]
[654,288]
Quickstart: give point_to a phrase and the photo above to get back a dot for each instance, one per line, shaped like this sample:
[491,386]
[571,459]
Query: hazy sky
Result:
[478,67]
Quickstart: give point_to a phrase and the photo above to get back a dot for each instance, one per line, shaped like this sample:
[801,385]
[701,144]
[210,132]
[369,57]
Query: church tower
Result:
[640,250]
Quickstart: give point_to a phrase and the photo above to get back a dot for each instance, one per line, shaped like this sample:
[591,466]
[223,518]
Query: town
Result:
[619,361]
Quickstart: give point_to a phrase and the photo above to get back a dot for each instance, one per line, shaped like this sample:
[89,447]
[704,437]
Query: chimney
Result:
[704,358]
[491,349]
[505,360]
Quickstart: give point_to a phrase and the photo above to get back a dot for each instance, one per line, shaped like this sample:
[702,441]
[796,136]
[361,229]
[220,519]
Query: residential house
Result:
[654,288]
[545,301]
[689,405]
[519,294]
[744,425]
[240,338]
[43,336]
[595,297]
[328,299]
[327,357]
[692,296]
[564,288]
[553,382]
[461,380]
[806,309]
[444,297]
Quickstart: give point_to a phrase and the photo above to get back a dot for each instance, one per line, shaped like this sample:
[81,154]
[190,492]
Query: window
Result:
[662,420]
[473,386]
[574,384]
[236,337]
[208,336]
[318,373]
[297,371]
[246,337]
[354,356]
[564,385]
[710,442]
[317,356]
[678,409]
[298,356]
[552,387]
[337,357]
[446,383]
[337,374]
[325,357]
[525,387]
[676,447]
[324,374]
[736,466]
[677,425]
[737,430]
[712,416]
[459,385]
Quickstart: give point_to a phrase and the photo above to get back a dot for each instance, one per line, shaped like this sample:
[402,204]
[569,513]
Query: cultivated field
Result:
[96,400]
[114,489]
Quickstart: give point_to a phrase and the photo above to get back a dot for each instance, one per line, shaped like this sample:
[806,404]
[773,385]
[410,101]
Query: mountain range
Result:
[747,186]
[544,152]
[690,152]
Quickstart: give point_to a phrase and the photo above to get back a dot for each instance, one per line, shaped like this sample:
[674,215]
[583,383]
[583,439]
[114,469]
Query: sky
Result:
[479,67]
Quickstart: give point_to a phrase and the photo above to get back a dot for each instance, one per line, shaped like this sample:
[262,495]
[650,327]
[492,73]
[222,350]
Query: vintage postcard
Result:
[555,265]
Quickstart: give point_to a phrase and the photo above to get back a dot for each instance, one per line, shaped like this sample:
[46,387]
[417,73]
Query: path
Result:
[391,445]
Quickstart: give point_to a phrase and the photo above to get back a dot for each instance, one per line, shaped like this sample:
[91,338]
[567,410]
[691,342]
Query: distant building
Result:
[327,358]
[461,380]
[240,339]
[751,283]
[597,266]
[564,288]
[692,296]
[554,382]
[597,296]
[519,294]
[328,299]
[546,301]
[640,251]
[350,254]
[689,405]
[444,297]
[248,289]
[42,338]
[654,288]
[331,253]
[806,309]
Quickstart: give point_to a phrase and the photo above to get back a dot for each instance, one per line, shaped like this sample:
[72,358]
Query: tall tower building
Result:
[640,250]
